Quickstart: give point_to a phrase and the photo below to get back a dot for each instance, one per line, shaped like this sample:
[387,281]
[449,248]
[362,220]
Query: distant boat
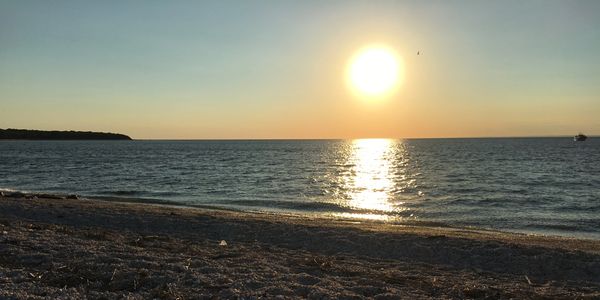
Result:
[580,137]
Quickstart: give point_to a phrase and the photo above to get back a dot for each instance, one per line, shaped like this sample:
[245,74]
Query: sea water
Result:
[532,185]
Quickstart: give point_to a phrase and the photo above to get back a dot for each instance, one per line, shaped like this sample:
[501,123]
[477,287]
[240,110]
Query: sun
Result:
[374,71]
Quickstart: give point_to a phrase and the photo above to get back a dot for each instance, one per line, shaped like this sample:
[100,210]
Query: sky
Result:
[277,69]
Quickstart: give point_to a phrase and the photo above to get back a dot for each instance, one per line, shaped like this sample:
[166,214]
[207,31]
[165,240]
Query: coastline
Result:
[97,248]
[365,219]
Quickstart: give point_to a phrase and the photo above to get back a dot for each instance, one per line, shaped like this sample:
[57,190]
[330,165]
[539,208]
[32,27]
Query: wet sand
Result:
[75,248]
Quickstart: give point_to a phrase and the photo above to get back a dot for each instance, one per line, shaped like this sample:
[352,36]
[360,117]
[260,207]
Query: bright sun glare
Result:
[374,71]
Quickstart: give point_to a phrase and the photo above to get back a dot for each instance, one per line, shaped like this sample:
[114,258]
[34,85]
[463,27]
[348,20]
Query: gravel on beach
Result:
[78,248]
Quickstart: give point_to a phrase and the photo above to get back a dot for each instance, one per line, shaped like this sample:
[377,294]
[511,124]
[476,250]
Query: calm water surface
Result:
[537,185]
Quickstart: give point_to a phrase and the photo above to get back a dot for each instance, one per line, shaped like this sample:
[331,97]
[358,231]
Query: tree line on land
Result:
[27,134]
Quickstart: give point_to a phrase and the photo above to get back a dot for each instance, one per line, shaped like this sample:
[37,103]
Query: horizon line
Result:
[365,138]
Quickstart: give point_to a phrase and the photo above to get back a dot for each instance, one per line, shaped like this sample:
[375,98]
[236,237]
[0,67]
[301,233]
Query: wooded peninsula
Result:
[27,134]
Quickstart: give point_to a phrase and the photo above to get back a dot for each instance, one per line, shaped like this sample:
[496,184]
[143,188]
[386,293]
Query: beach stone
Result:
[253,284]
[33,259]
[15,195]
[50,196]
[348,296]
[317,293]
[229,293]
[279,291]
[302,291]
[368,291]
[388,296]
[306,279]
[73,197]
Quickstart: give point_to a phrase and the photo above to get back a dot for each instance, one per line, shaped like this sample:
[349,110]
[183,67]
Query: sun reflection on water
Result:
[371,182]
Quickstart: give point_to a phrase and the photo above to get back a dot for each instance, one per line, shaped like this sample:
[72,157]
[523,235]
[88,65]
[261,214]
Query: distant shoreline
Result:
[29,134]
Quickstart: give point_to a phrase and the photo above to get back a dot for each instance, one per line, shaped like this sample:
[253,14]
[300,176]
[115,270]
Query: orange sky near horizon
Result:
[216,70]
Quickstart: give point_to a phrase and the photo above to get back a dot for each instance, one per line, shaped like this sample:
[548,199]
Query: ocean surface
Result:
[533,185]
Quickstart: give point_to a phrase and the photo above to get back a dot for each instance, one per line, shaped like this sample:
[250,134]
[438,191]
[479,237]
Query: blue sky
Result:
[275,69]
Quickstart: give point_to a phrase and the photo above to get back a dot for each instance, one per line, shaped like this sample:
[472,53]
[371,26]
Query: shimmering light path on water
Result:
[540,185]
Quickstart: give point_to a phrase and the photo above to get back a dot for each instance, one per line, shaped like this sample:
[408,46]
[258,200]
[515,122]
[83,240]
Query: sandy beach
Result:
[82,248]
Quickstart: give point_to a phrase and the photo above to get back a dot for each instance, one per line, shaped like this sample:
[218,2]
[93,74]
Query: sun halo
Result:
[375,71]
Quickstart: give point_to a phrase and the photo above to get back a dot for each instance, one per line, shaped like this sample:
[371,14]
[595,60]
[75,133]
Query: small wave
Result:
[38,194]
[310,207]
[137,193]
[581,207]
[302,206]
[121,192]
[139,200]
[7,190]
[560,227]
